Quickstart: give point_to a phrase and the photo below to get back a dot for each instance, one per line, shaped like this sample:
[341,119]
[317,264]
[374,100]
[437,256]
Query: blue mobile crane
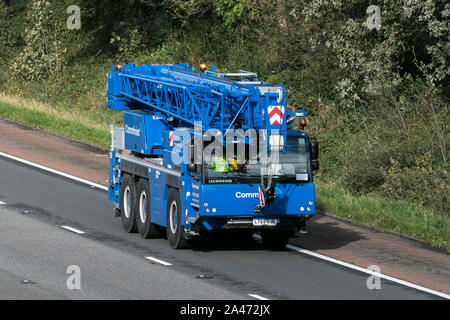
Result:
[195,155]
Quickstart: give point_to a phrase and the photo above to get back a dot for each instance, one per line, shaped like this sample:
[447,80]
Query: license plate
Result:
[265,222]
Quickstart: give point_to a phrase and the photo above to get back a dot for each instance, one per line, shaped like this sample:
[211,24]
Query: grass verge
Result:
[383,214]
[64,123]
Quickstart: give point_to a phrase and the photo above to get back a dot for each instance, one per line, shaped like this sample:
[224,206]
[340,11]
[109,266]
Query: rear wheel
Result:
[175,230]
[274,239]
[128,203]
[144,225]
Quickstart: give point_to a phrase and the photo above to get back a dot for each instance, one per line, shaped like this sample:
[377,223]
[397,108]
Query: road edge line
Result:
[257,297]
[368,271]
[164,263]
[54,171]
[73,230]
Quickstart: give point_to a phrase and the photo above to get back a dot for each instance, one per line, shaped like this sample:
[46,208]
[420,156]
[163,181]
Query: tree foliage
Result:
[42,54]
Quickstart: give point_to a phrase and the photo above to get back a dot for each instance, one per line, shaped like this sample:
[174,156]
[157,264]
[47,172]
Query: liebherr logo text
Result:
[132,131]
[241,195]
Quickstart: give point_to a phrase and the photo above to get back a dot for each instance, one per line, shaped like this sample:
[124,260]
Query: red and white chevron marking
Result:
[261,197]
[276,114]
[171,139]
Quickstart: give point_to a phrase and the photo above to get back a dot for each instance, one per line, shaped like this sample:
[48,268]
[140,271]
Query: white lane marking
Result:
[99,155]
[72,229]
[354,267]
[257,297]
[158,261]
[63,174]
[2,203]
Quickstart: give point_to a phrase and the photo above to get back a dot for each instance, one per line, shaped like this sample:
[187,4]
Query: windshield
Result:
[292,167]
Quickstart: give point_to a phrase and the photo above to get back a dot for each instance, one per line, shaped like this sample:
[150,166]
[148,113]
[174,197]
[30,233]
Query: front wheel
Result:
[175,230]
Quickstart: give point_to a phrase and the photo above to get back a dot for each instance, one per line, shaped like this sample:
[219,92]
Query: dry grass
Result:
[90,127]
[63,114]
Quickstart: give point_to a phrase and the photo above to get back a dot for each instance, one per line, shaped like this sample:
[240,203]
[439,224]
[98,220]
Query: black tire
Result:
[144,225]
[175,230]
[274,239]
[128,204]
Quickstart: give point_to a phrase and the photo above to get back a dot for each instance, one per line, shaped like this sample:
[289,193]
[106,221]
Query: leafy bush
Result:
[128,44]
[364,161]
[42,54]
[412,39]
[422,184]
[11,27]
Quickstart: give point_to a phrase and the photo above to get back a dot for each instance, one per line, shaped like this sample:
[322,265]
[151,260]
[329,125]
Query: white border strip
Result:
[158,261]
[72,229]
[63,174]
[257,297]
[2,203]
[354,267]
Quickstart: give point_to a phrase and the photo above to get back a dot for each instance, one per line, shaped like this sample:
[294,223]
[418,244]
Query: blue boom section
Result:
[219,101]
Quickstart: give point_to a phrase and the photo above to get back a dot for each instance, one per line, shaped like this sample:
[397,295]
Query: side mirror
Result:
[314,149]
[315,165]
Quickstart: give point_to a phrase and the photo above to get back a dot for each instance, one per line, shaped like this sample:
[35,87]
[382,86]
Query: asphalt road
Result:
[35,252]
